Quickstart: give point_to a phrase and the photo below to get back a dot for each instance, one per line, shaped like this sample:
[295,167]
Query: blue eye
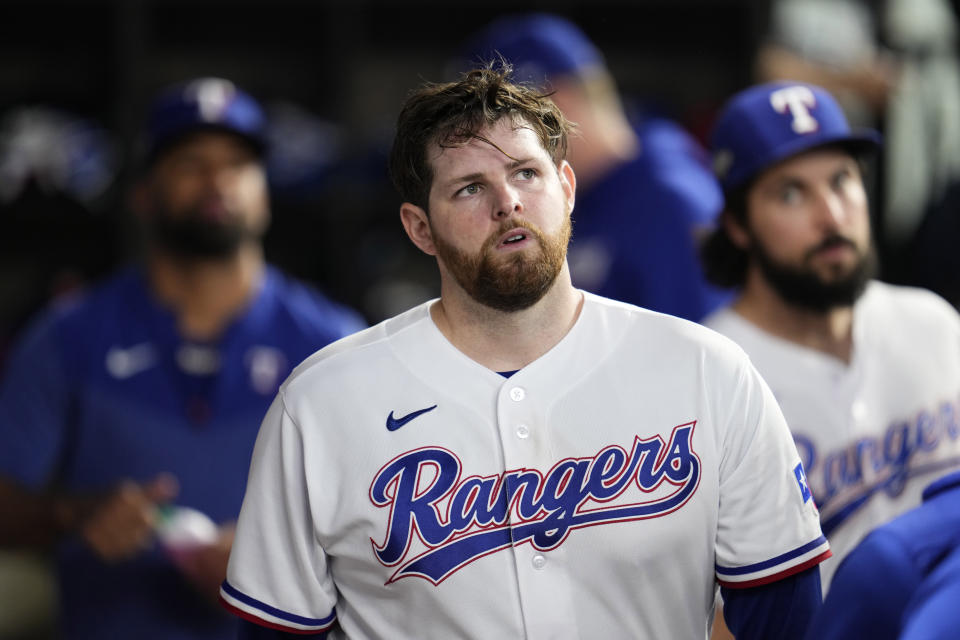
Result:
[840,179]
[527,174]
[790,194]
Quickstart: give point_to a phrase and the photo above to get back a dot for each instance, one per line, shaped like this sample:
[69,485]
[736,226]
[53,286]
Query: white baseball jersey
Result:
[873,433]
[405,491]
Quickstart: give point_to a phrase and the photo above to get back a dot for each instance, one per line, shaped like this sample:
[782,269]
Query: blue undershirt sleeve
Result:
[781,610]
[251,631]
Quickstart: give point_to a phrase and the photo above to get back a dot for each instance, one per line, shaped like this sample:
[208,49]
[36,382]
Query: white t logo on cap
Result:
[212,96]
[798,100]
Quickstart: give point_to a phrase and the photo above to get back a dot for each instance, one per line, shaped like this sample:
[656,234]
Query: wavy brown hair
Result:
[451,114]
[724,263]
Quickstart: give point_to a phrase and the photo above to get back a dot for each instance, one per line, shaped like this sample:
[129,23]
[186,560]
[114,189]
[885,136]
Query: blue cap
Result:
[204,104]
[538,45]
[765,124]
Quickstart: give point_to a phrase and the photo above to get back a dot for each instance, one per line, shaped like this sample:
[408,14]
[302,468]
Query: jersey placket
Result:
[542,574]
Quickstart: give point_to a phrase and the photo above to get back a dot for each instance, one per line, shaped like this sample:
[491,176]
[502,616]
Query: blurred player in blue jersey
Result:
[645,191]
[903,580]
[126,411]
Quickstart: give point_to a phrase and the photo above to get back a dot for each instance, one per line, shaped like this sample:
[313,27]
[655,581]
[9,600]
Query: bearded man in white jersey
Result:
[867,374]
[519,458]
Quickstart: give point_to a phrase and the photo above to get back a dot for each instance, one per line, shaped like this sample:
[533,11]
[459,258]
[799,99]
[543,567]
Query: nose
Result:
[507,203]
[831,209]
[221,176]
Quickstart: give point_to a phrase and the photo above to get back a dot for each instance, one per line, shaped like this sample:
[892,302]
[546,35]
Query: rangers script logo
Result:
[845,479]
[457,521]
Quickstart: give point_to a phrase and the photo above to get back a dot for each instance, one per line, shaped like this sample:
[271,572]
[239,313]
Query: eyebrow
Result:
[774,187]
[473,177]
[789,181]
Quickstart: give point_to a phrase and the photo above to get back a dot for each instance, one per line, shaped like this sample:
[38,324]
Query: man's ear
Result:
[568,182]
[417,225]
[735,230]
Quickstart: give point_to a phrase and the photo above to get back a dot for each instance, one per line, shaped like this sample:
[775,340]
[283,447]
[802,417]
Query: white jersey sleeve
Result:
[764,497]
[277,551]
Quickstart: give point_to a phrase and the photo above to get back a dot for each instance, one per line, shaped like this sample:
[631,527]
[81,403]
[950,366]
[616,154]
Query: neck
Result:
[206,295]
[507,341]
[829,332]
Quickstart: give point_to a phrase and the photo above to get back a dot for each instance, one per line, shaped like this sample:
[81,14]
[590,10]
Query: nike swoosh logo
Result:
[395,423]
[125,363]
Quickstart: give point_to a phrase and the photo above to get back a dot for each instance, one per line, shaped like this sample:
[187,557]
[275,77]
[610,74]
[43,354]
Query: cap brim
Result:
[162,145]
[859,141]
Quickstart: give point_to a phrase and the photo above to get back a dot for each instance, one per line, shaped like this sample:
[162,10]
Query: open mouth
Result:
[514,237]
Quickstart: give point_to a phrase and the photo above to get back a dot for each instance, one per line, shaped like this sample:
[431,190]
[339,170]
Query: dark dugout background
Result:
[76,77]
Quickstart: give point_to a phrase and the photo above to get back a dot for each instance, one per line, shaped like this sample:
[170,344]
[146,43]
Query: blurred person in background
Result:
[645,193]
[128,414]
[867,373]
[58,171]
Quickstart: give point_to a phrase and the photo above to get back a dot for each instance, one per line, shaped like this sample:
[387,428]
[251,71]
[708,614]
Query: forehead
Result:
[504,141]
[809,165]
[208,142]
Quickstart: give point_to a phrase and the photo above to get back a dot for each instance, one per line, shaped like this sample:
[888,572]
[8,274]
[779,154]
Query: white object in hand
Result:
[181,527]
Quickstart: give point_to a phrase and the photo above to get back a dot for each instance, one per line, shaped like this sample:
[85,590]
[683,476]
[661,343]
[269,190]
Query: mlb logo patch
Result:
[802,482]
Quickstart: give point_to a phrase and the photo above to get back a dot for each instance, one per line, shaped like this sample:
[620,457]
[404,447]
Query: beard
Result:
[190,236]
[803,287]
[513,283]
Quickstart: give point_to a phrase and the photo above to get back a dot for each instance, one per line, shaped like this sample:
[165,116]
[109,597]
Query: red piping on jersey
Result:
[271,625]
[786,573]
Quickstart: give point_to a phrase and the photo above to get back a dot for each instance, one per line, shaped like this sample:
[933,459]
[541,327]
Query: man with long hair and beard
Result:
[867,374]
[518,458]
[128,415]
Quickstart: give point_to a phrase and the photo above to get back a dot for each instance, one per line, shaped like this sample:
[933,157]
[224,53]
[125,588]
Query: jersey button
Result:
[858,410]
[523,431]
[539,561]
[517,394]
